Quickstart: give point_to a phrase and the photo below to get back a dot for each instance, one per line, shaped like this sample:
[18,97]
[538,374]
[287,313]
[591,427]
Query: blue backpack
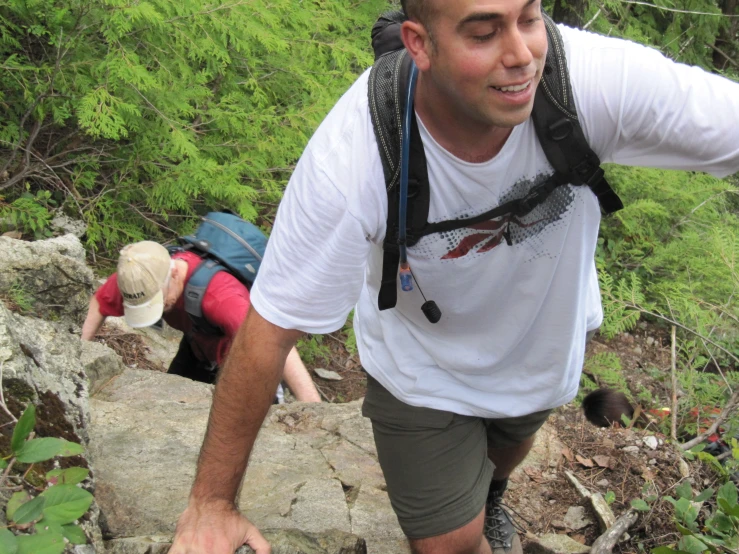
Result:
[226,243]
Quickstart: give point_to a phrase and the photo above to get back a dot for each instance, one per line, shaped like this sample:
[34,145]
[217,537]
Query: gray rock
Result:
[577,518]
[631,449]
[45,357]
[556,544]
[313,467]
[100,363]
[284,541]
[651,442]
[66,225]
[51,273]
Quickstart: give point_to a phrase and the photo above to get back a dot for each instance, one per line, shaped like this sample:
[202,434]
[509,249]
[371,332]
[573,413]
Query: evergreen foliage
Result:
[135,114]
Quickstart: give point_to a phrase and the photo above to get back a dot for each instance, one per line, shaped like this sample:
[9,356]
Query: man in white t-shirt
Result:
[454,405]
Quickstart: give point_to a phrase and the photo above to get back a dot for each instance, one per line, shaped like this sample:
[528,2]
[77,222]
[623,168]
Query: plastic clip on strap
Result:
[429,308]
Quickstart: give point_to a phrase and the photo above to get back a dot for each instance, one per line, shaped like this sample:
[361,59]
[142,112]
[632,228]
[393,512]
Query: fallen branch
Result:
[723,416]
[606,519]
[605,543]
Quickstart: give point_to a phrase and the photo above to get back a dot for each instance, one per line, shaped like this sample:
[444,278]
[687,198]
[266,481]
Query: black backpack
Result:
[557,128]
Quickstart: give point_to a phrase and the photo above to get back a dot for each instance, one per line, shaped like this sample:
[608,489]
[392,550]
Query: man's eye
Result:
[483,38]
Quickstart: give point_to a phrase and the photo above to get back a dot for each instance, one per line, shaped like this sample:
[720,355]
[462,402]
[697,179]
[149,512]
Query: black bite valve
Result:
[431,311]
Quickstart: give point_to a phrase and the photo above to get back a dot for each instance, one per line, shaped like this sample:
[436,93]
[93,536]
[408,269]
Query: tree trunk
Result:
[572,12]
[726,39]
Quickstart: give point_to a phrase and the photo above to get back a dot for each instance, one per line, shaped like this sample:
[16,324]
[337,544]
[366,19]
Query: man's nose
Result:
[517,52]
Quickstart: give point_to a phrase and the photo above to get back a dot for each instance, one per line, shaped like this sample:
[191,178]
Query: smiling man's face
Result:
[485,58]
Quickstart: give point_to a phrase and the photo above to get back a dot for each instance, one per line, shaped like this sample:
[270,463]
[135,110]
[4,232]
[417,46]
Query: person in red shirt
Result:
[149,286]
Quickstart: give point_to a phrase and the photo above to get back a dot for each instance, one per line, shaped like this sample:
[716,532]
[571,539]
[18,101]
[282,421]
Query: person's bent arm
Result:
[211,524]
[298,379]
[93,321]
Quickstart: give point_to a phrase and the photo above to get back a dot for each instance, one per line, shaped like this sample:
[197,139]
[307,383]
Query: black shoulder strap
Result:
[194,292]
[559,131]
[388,81]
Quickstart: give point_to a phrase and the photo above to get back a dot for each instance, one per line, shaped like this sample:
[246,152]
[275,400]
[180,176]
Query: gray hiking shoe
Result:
[499,529]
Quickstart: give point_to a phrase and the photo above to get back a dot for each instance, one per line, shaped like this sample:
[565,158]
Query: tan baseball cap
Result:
[143,271]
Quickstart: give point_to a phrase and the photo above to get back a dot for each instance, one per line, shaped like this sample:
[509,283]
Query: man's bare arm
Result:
[93,321]
[211,524]
[298,379]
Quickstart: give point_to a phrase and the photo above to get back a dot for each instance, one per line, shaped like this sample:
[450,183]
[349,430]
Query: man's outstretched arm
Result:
[211,524]
[298,379]
[93,321]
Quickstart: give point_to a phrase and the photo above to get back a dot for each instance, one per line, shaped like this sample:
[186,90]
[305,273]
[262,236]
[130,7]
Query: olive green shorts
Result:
[435,463]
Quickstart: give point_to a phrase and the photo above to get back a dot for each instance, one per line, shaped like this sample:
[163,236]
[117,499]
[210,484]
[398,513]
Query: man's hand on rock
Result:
[215,527]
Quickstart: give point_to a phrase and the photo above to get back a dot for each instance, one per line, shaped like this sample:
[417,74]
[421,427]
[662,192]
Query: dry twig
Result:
[605,543]
[723,416]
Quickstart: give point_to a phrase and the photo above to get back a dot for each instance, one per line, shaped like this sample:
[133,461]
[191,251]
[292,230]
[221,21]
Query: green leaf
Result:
[727,508]
[23,428]
[686,512]
[69,476]
[667,550]
[16,501]
[692,545]
[683,490]
[639,505]
[65,503]
[49,527]
[74,534]
[705,495]
[44,543]
[30,511]
[728,492]
[3,463]
[8,542]
[610,497]
[40,450]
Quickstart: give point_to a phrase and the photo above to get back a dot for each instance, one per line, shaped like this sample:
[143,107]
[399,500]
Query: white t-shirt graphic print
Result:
[512,335]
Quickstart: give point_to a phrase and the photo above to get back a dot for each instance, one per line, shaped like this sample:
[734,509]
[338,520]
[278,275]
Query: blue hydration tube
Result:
[406,278]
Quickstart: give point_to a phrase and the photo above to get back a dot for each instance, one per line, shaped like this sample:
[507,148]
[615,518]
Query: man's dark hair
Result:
[417,10]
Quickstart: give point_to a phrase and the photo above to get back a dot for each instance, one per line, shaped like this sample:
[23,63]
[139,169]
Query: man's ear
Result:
[417,41]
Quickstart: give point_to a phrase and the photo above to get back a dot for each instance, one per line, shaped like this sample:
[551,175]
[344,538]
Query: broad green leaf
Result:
[3,463]
[8,542]
[49,527]
[74,534]
[686,512]
[44,543]
[40,450]
[728,509]
[65,503]
[610,497]
[23,428]
[30,511]
[639,505]
[705,495]
[16,501]
[692,545]
[729,493]
[683,490]
[69,476]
